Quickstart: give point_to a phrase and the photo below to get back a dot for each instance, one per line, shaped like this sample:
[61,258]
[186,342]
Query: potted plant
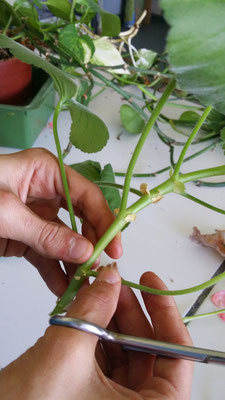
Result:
[72,45]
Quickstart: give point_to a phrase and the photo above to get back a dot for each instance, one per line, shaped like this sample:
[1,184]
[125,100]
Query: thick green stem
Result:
[156,194]
[202,173]
[61,166]
[142,140]
[189,141]
[81,272]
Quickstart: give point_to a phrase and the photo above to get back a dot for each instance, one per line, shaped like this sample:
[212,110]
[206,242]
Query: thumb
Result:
[47,238]
[96,303]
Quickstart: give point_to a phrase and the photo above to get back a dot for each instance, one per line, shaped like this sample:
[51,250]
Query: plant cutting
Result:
[185,71]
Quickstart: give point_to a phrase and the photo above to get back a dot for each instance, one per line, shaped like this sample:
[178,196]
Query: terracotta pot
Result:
[15,79]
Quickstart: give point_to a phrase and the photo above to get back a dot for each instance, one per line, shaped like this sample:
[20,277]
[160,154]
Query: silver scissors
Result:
[142,344]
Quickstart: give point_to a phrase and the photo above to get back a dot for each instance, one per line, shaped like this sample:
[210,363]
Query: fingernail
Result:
[109,274]
[79,247]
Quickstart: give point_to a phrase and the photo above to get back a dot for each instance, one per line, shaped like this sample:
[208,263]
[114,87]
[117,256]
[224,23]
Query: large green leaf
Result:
[196,47]
[88,132]
[92,170]
[131,119]
[64,85]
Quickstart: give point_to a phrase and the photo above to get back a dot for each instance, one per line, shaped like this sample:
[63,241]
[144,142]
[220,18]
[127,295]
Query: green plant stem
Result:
[210,184]
[202,173]
[119,223]
[81,272]
[142,140]
[202,203]
[119,90]
[117,186]
[190,139]
[72,11]
[153,174]
[198,316]
[61,166]
[181,292]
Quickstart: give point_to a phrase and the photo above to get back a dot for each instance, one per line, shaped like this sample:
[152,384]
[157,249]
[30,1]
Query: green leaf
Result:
[92,170]
[89,169]
[81,90]
[69,38]
[64,85]
[25,9]
[222,134]
[146,58]
[131,119]
[111,24]
[88,132]
[60,8]
[112,195]
[6,10]
[196,47]
[189,116]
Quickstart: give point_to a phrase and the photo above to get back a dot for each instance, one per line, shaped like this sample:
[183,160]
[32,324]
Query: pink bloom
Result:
[50,125]
[219,300]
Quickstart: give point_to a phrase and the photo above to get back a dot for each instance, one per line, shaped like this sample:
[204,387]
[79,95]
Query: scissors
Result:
[135,343]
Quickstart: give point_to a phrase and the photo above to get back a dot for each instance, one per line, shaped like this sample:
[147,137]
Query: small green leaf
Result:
[189,116]
[112,195]
[89,169]
[69,38]
[64,85]
[81,90]
[92,170]
[88,132]
[131,119]
[146,58]
[178,187]
[111,25]
[60,8]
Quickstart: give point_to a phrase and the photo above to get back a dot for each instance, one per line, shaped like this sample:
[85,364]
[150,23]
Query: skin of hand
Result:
[31,194]
[66,364]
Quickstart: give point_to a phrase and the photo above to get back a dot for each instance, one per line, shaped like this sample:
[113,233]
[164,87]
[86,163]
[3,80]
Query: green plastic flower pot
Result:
[20,125]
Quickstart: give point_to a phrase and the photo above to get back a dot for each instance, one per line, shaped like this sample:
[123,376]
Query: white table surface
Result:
[158,240]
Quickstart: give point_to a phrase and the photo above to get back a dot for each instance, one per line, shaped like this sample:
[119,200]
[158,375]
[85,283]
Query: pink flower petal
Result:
[219,299]
[222,316]
[50,125]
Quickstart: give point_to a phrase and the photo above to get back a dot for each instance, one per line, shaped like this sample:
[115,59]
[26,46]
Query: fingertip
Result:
[150,279]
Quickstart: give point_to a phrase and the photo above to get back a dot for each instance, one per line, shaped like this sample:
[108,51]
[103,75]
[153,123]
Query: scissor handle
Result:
[135,343]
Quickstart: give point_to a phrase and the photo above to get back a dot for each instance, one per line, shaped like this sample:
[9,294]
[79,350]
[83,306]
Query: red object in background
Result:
[15,79]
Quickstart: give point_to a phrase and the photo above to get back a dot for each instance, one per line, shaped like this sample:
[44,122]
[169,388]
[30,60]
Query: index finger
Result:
[169,327]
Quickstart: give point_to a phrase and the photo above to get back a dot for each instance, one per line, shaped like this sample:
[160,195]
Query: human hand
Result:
[65,363]
[31,194]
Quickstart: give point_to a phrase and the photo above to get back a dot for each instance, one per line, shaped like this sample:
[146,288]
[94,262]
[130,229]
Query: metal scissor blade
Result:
[151,346]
